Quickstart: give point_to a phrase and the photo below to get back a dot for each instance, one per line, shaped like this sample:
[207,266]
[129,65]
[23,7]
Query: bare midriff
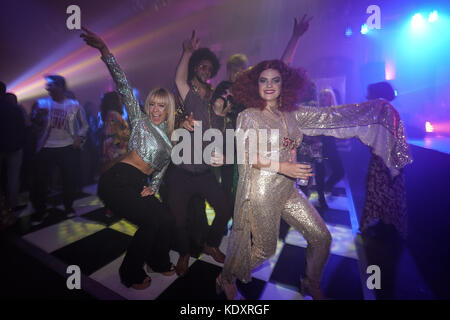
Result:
[133,159]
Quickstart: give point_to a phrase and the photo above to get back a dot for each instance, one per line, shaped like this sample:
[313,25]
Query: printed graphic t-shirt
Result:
[59,135]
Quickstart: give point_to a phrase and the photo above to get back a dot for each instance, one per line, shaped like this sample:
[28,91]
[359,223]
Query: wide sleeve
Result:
[124,88]
[376,123]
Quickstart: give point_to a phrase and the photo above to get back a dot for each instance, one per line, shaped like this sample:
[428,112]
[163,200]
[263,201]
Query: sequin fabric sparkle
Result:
[148,140]
[264,196]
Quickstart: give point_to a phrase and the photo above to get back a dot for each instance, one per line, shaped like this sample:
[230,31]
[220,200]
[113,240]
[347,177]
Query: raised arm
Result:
[299,29]
[181,76]
[119,77]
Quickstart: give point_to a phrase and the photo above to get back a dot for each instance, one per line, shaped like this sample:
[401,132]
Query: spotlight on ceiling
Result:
[364,29]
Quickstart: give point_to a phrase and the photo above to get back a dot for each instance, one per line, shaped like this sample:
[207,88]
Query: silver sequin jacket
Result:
[150,141]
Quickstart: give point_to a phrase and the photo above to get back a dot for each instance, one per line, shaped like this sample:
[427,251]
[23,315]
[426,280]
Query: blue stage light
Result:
[364,29]
[417,22]
[433,17]
[348,32]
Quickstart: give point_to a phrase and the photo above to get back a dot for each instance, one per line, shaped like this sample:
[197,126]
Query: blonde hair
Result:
[163,95]
[237,60]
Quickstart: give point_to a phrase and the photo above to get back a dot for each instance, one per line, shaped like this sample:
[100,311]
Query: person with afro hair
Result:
[194,181]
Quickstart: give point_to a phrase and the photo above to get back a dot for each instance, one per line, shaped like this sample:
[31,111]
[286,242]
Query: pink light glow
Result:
[389,70]
[442,127]
[84,64]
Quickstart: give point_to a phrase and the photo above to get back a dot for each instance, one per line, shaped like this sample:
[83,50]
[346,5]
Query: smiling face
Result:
[269,85]
[157,110]
[204,70]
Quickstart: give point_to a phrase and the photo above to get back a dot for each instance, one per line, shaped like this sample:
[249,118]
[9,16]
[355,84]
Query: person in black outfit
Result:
[224,106]
[185,180]
[330,153]
[12,141]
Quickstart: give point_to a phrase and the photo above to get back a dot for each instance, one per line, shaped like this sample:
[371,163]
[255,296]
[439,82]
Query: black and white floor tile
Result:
[97,244]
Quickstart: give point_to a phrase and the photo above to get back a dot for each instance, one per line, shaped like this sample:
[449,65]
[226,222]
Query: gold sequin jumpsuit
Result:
[264,196]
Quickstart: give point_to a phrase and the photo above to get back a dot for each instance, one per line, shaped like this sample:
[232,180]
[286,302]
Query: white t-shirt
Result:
[59,135]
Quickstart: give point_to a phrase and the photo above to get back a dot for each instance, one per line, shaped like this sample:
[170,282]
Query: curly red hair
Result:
[293,83]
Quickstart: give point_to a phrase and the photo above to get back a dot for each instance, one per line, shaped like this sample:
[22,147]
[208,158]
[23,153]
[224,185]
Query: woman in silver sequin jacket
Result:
[124,188]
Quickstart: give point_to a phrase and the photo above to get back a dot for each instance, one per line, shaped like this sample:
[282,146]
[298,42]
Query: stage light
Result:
[389,70]
[429,127]
[433,17]
[395,93]
[83,65]
[417,22]
[364,29]
[348,32]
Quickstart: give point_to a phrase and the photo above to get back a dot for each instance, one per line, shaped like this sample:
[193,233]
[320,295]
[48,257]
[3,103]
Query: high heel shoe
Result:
[229,288]
[311,288]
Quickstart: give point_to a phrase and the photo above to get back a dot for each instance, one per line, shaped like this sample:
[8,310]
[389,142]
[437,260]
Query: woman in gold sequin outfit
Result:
[266,190]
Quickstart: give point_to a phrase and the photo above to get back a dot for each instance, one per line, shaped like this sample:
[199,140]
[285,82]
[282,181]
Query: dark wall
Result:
[428,196]
[428,200]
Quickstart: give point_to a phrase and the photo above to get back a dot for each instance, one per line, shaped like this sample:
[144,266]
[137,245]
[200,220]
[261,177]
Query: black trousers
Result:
[334,160]
[227,175]
[45,160]
[182,186]
[335,163]
[120,189]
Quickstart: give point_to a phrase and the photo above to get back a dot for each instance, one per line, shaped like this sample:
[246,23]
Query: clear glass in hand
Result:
[304,157]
